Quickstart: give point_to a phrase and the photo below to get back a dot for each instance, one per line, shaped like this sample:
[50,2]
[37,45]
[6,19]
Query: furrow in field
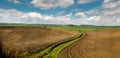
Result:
[96,44]
[32,39]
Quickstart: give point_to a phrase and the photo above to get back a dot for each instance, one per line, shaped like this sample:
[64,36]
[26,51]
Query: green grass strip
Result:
[55,52]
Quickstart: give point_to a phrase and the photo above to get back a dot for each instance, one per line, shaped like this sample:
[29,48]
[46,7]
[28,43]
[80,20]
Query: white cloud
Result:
[15,1]
[80,18]
[94,18]
[7,16]
[108,16]
[107,1]
[14,16]
[47,4]
[94,11]
[111,12]
[35,15]
[85,1]
[80,15]
[111,4]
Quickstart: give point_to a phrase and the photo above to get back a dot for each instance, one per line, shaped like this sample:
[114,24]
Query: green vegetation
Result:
[53,51]
[50,52]
[82,28]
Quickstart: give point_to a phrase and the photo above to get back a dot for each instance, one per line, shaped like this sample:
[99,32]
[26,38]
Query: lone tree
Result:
[45,26]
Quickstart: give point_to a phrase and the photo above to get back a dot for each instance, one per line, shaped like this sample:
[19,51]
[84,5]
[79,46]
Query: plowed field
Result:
[31,39]
[96,44]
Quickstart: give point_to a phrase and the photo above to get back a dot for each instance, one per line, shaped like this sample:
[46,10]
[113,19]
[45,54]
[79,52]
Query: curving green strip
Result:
[53,51]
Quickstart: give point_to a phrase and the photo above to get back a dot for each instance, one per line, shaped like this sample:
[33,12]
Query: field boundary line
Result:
[58,48]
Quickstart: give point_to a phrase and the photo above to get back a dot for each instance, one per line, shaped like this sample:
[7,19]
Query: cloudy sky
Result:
[90,12]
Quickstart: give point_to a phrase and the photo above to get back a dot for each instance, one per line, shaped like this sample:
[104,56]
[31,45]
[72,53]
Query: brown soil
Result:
[97,44]
[31,39]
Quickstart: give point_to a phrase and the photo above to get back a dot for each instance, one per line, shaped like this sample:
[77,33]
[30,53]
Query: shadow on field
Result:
[7,53]
[1,48]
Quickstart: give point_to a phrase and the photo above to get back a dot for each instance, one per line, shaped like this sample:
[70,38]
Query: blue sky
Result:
[75,12]
[26,6]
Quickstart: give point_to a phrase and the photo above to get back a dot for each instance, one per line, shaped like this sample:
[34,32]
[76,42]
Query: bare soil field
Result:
[32,39]
[96,44]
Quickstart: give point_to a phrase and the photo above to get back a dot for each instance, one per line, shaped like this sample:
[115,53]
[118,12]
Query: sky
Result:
[77,12]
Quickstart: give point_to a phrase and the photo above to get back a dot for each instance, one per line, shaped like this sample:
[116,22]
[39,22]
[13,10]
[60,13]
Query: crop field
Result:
[82,28]
[96,44]
[59,28]
[59,41]
[29,39]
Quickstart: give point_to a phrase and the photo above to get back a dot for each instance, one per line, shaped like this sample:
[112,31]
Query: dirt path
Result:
[97,44]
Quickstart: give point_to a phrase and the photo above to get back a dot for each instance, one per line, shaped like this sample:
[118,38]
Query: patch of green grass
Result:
[82,28]
[53,51]
[39,54]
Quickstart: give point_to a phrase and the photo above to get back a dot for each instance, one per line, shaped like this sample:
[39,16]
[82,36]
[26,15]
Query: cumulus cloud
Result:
[85,1]
[7,16]
[80,18]
[47,4]
[110,14]
[15,16]
[94,11]
[15,1]
[95,18]
[34,15]
[106,1]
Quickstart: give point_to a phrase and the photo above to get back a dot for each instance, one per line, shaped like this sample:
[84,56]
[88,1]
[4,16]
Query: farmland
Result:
[82,28]
[32,39]
[60,41]
[96,44]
